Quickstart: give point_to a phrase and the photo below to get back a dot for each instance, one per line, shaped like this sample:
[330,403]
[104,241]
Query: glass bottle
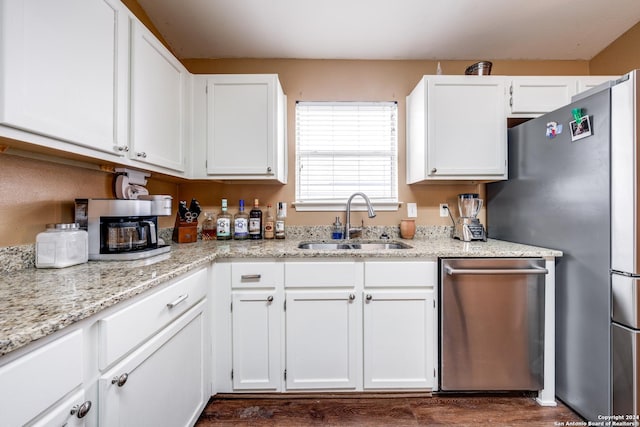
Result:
[280,218]
[208,227]
[224,223]
[337,229]
[269,224]
[241,223]
[255,221]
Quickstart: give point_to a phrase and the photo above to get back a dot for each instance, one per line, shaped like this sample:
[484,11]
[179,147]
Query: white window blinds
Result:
[344,147]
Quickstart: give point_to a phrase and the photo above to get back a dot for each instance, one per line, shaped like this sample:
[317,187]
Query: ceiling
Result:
[392,29]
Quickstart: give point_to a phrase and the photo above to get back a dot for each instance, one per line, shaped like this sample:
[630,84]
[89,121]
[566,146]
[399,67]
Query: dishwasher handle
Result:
[457,271]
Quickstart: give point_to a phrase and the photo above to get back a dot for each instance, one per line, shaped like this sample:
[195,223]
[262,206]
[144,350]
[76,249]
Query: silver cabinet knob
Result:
[270,298]
[434,170]
[369,297]
[352,297]
[81,410]
[269,169]
[142,154]
[121,380]
[121,148]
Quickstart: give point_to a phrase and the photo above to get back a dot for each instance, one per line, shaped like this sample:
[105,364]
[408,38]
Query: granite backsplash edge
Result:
[14,258]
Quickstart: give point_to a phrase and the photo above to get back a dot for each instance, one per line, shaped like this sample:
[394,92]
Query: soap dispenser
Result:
[336,232]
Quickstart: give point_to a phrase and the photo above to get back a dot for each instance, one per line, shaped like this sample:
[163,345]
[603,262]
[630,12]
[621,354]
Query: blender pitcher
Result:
[469,205]
[468,227]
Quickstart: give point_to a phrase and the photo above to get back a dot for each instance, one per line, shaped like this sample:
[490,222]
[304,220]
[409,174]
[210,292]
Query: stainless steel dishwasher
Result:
[492,324]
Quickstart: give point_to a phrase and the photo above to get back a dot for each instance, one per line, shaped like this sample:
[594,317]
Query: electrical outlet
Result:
[444,207]
[412,210]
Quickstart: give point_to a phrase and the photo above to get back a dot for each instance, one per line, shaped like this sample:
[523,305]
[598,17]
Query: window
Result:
[344,147]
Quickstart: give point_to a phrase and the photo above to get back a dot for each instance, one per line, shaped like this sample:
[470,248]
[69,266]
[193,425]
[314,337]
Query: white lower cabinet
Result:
[398,339]
[163,381]
[256,319]
[24,395]
[326,324]
[322,339]
[142,362]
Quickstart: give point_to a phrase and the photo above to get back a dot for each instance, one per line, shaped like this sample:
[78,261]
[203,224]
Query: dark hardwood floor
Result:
[387,410]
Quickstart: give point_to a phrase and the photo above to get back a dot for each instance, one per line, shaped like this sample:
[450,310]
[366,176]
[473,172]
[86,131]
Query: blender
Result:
[468,226]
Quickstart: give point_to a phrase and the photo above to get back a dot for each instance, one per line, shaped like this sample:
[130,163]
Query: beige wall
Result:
[34,192]
[620,56]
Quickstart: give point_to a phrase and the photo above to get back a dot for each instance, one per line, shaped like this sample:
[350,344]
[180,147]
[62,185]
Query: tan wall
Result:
[620,56]
[34,193]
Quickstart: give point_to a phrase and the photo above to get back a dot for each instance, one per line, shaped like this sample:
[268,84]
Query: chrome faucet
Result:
[371,212]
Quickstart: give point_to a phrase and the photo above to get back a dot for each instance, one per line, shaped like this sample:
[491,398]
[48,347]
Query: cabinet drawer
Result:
[320,273]
[125,329]
[389,273]
[255,274]
[60,415]
[32,383]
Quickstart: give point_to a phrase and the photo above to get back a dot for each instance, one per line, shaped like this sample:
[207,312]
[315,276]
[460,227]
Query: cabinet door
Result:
[63,68]
[538,95]
[588,82]
[162,382]
[322,339]
[256,320]
[466,127]
[158,102]
[399,341]
[243,126]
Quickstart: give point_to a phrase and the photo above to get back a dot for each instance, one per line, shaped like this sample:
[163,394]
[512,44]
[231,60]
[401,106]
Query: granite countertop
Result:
[37,302]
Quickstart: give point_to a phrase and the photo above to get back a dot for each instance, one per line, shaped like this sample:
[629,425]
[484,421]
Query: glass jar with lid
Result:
[61,245]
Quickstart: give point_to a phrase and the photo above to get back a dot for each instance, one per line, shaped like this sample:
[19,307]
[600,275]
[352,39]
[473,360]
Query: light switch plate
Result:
[412,210]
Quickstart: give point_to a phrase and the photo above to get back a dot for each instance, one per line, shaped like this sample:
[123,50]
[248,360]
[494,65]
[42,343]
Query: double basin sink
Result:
[341,245]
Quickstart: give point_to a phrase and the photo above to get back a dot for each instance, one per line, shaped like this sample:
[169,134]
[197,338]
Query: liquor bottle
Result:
[255,221]
[241,223]
[224,223]
[280,217]
[269,224]
[208,227]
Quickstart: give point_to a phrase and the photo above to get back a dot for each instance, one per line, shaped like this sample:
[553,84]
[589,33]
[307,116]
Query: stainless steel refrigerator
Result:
[576,189]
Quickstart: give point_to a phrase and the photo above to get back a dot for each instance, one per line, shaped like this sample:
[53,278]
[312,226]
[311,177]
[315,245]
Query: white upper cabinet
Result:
[538,95]
[532,96]
[240,122]
[457,129]
[62,66]
[159,102]
[588,82]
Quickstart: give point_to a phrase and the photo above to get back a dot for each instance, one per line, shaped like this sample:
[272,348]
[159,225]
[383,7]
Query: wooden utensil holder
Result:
[185,232]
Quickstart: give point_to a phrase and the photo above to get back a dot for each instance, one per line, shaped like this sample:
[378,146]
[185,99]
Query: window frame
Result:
[390,203]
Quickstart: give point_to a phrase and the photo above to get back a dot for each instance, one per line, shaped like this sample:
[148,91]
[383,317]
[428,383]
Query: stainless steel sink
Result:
[367,246]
